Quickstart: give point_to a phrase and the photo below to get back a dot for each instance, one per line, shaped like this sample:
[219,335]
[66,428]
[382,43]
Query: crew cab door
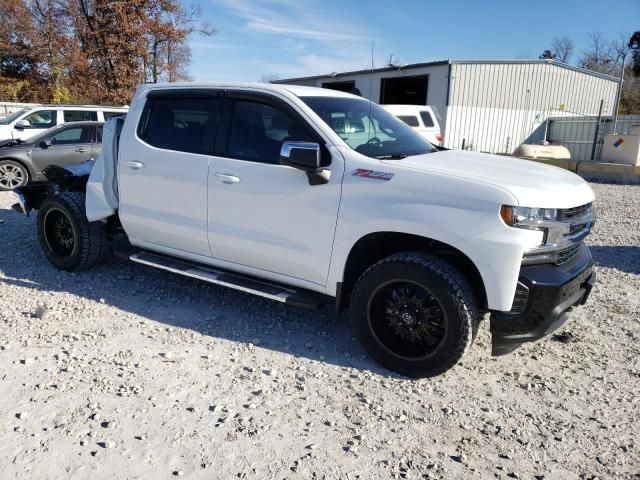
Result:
[264,215]
[162,170]
[67,146]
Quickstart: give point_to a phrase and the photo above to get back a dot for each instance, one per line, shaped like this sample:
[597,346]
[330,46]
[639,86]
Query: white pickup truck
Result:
[303,195]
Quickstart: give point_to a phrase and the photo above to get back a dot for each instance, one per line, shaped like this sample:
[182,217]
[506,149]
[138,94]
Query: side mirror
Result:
[22,124]
[302,155]
[44,144]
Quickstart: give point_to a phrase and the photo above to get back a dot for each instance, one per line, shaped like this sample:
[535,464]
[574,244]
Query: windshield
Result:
[368,128]
[11,117]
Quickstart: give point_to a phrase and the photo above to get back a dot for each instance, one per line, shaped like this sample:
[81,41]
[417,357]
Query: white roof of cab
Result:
[297,90]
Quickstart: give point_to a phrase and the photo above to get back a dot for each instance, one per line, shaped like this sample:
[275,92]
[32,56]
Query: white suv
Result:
[30,121]
[420,118]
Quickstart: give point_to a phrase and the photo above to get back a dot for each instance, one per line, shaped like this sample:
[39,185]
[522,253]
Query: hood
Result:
[533,184]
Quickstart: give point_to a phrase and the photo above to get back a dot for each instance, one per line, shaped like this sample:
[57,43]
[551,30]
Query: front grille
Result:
[566,254]
[565,214]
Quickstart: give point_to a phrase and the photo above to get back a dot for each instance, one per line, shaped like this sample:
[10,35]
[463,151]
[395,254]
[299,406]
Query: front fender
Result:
[457,212]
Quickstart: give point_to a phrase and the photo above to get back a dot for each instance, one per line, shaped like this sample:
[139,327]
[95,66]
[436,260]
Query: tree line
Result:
[93,51]
[606,55]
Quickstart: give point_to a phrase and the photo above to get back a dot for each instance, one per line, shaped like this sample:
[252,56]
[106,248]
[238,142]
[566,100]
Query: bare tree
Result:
[562,47]
[599,55]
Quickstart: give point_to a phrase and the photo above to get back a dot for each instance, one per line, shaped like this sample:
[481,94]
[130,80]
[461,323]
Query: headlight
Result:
[527,217]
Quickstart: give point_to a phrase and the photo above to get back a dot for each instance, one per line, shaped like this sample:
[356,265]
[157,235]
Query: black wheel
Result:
[414,314]
[69,241]
[12,175]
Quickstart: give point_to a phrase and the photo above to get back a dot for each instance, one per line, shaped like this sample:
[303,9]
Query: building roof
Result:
[435,63]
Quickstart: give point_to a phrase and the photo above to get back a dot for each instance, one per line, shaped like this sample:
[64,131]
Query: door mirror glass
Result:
[302,155]
[44,144]
[23,124]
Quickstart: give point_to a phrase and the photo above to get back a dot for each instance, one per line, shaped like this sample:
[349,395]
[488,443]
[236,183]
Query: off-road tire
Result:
[449,287]
[15,167]
[90,244]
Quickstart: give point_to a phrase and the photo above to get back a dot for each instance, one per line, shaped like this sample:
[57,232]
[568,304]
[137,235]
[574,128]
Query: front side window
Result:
[426,119]
[42,119]
[71,136]
[79,116]
[258,131]
[180,123]
[368,128]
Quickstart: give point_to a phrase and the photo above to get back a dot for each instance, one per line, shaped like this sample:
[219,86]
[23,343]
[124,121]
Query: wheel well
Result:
[376,246]
[26,167]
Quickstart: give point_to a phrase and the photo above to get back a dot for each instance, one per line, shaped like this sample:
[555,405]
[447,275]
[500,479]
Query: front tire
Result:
[69,241]
[12,175]
[414,313]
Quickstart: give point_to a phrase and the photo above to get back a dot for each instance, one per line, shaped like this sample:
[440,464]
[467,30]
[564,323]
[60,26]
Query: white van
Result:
[30,121]
[420,118]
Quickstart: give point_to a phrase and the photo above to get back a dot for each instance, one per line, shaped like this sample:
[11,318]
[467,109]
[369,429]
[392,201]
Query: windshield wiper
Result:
[395,156]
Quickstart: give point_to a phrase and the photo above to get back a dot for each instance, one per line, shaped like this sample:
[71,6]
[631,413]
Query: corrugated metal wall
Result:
[579,134]
[494,107]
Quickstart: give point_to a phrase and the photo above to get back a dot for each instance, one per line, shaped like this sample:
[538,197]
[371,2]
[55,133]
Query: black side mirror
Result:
[44,144]
[302,155]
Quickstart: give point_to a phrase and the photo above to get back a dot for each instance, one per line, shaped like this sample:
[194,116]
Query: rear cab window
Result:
[180,123]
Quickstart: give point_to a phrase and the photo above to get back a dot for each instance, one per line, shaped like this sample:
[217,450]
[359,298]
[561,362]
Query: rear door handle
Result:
[133,164]
[228,179]
[81,150]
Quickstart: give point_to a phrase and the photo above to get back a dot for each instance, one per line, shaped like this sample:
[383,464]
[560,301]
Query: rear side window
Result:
[180,123]
[99,134]
[258,130]
[79,116]
[426,119]
[71,136]
[410,120]
[42,119]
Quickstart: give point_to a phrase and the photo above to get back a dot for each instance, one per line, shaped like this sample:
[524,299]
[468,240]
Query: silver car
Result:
[22,161]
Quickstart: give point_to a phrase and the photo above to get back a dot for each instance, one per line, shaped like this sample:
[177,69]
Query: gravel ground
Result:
[129,372]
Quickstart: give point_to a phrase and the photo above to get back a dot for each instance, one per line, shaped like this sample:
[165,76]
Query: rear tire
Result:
[414,313]
[12,175]
[69,241]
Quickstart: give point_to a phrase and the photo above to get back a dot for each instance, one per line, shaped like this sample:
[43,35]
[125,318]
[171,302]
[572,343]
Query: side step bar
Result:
[261,288]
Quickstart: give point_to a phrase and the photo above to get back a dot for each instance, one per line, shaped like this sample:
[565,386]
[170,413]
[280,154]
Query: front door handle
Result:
[81,150]
[228,179]
[133,164]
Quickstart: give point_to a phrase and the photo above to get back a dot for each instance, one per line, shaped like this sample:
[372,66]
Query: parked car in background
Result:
[31,121]
[420,118]
[22,161]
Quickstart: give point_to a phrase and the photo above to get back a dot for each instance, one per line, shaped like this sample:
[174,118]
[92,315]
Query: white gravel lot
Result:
[129,372]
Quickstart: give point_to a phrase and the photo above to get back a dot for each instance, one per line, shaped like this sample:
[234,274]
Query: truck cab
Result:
[306,195]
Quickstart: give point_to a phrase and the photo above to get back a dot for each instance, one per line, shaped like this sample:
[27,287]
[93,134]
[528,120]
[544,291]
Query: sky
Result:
[294,38]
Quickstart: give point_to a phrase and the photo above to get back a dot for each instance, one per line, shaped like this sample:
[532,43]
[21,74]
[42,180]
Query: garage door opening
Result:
[404,90]
[348,86]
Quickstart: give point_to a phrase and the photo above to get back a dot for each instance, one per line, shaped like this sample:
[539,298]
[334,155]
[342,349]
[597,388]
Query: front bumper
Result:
[545,295]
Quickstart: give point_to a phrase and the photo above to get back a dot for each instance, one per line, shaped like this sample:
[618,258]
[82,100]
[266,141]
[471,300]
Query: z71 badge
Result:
[363,172]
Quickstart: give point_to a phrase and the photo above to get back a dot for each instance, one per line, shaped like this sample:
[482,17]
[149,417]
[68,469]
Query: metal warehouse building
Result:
[490,106]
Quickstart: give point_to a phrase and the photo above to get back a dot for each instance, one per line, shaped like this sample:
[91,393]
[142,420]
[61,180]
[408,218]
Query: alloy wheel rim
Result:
[11,176]
[59,233]
[407,319]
